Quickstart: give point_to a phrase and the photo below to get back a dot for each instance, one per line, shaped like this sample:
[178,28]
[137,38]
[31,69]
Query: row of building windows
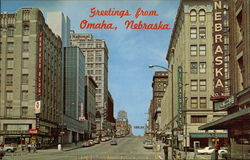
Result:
[195,105]
[91,72]
[10,47]
[98,65]
[202,32]
[23,111]
[194,67]
[194,49]
[10,63]
[10,97]
[11,31]
[202,85]
[97,59]
[201,14]
[90,45]
[24,79]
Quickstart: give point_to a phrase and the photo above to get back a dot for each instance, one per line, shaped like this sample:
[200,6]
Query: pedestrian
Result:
[165,149]
[29,147]
[34,148]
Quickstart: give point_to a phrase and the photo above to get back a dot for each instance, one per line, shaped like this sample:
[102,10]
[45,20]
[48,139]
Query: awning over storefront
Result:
[208,135]
[229,120]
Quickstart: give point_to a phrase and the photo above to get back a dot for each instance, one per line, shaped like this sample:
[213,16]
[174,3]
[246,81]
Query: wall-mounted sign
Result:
[218,49]
[180,97]
[219,106]
[38,107]
[40,65]
[33,131]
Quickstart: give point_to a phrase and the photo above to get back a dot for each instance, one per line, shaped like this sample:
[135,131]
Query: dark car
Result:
[113,142]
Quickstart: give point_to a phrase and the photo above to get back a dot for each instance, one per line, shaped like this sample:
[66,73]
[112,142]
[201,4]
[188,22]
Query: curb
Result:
[72,149]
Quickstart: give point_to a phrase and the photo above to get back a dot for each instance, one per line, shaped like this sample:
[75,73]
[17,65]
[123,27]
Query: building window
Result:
[98,58]
[25,46]
[202,15]
[98,45]
[193,16]
[10,63]
[203,85]
[26,30]
[10,31]
[9,95]
[25,79]
[203,102]
[99,91]
[98,72]
[194,67]
[10,47]
[202,67]
[8,111]
[90,72]
[98,78]
[25,63]
[90,59]
[24,111]
[202,32]
[198,119]
[194,102]
[90,65]
[194,85]
[9,79]
[202,50]
[193,33]
[193,50]
[25,95]
[98,65]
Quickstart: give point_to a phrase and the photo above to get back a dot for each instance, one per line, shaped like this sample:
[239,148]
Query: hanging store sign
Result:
[218,49]
[180,97]
[40,65]
[220,106]
[33,131]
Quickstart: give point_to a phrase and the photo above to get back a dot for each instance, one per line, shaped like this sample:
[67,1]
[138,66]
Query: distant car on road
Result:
[9,148]
[97,141]
[113,142]
[148,145]
[86,144]
[206,150]
[103,139]
[92,143]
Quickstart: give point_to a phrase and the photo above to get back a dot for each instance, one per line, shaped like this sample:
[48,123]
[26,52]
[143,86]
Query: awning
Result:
[227,121]
[208,135]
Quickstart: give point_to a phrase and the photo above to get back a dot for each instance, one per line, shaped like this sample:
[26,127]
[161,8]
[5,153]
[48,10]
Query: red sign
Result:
[33,131]
[40,65]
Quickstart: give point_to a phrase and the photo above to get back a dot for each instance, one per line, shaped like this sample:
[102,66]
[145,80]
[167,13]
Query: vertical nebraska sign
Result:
[40,64]
[218,48]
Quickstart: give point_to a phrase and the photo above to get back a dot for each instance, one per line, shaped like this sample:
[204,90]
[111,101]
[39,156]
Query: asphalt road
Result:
[128,148]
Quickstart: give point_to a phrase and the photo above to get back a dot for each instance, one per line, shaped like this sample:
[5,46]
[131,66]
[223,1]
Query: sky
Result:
[130,51]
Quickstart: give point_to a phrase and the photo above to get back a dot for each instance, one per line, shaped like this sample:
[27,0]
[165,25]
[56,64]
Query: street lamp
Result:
[172,90]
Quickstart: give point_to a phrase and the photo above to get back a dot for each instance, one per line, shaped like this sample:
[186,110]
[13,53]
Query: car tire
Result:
[8,150]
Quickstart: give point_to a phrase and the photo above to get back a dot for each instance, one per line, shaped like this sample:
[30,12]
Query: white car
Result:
[148,145]
[9,149]
[206,150]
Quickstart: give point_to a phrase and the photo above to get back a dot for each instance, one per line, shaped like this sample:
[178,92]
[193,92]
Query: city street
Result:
[129,148]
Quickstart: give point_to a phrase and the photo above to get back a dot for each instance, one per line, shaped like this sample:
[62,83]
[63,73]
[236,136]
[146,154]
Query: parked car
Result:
[113,142]
[86,144]
[148,145]
[103,139]
[97,141]
[9,148]
[206,150]
[92,143]
[146,140]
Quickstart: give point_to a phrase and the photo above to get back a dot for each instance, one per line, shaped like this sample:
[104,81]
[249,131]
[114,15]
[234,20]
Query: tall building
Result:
[237,105]
[110,115]
[159,86]
[60,25]
[90,105]
[187,100]
[74,86]
[30,79]
[96,65]
[122,115]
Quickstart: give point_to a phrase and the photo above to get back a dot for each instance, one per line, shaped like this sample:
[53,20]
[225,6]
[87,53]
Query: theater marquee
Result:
[218,49]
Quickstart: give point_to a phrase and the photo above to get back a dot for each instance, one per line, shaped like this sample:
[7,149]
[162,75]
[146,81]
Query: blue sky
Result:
[130,51]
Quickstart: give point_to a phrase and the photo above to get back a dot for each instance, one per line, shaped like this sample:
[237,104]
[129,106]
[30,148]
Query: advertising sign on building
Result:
[38,107]
[40,64]
[218,49]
